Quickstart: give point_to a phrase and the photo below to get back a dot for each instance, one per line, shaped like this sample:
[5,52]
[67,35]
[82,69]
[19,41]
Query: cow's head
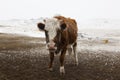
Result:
[52,28]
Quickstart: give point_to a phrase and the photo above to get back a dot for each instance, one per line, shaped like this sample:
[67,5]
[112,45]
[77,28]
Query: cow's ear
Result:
[41,26]
[63,26]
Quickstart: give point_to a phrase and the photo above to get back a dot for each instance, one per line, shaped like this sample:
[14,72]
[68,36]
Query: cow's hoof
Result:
[50,69]
[76,63]
[62,74]
[62,70]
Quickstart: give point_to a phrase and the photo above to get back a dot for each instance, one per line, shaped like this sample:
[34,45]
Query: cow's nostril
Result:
[51,46]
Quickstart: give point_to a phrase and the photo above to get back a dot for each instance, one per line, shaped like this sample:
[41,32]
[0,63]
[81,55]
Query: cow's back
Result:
[69,35]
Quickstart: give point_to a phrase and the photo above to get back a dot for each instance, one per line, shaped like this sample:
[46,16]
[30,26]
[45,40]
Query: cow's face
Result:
[52,28]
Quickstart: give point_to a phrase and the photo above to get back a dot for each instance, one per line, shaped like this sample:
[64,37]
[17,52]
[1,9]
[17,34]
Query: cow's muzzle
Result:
[51,47]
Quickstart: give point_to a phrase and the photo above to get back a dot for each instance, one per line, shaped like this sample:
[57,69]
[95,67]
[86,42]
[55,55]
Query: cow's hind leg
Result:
[62,56]
[75,53]
[51,61]
[70,49]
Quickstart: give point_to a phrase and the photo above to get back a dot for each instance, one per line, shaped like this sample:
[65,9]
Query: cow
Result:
[61,35]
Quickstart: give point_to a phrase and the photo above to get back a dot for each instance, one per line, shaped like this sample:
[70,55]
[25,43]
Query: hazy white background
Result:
[79,9]
[22,16]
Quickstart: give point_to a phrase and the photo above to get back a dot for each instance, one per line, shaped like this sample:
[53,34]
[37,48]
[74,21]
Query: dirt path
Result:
[25,58]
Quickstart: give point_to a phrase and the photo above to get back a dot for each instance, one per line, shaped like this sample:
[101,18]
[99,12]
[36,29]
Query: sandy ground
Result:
[25,58]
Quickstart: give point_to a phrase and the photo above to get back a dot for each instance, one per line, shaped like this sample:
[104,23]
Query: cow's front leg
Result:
[62,56]
[51,61]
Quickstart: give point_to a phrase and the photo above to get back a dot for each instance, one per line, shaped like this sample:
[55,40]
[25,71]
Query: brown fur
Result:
[69,35]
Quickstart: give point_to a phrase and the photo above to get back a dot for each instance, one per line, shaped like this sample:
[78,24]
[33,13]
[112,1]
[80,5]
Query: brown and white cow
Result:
[61,35]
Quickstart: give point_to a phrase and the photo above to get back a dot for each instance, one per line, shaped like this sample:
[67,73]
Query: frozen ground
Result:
[93,30]
[97,39]
[22,27]
[25,58]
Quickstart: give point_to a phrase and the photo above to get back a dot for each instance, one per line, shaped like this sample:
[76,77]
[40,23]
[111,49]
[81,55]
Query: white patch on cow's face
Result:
[51,25]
